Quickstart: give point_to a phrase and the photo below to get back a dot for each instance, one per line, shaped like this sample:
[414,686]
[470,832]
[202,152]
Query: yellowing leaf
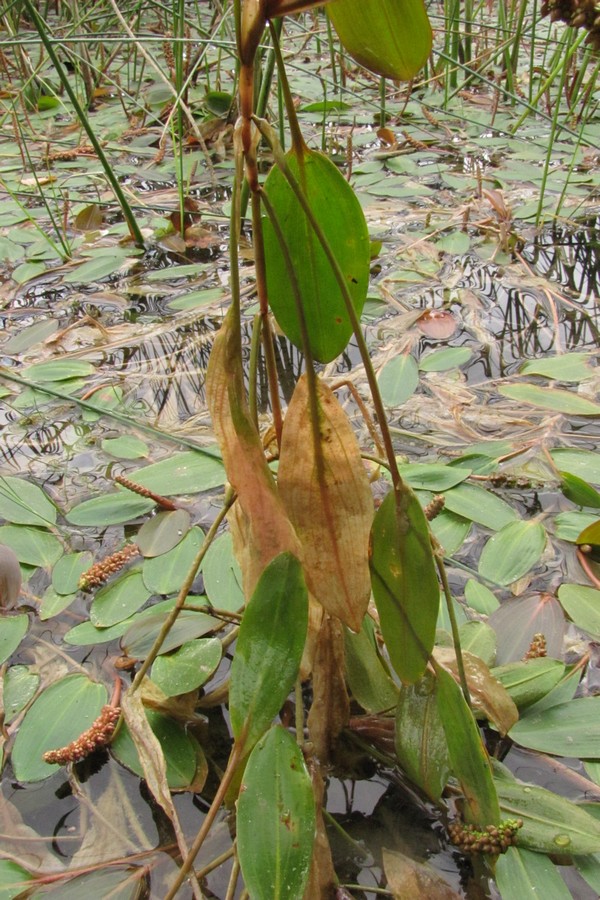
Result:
[325,490]
[261,529]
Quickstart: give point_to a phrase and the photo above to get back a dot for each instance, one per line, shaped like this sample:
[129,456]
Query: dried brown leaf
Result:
[330,708]
[332,512]
[408,879]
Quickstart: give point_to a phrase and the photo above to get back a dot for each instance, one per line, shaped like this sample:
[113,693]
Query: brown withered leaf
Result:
[332,512]
[260,527]
[488,696]
[322,878]
[408,878]
[330,709]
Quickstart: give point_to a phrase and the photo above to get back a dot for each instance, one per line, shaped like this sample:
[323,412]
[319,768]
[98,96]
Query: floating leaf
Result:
[163,532]
[392,39]
[522,873]
[550,398]
[14,879]
[369,681]
[116,883]
[517,621]
[118,600]
[481,506]
[30,336]
[478,639]
[582,605]
[59,715]
[404,581]
[269,649]
[178,748]
[579,491]
[468,758]
[19,686]
[568,367]
[12,632]
[33,546]
[68,570]
[480,598]
[24,503]
[437,323]
[398,380]
[276,819]
[110,509]
[10,578]
[445,359]
[488,696]
[326,493]
[58,370]
[165,574]
[141,633]
[551,824]
[590,534]
[408,878]
[189,472]
[125,447]
[187,668]
[584,463]
[569,729]
[450,530]
[527,681]
[568,526]
[512,552]
[420,738]
[343,224]
[432,476]
[222,576]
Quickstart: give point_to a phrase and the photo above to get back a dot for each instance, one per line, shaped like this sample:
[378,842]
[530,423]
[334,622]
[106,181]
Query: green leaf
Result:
[527,681]
[368,679]
[110,509]
[569,525]
[54,603]
[269,649]
[187,668]
[179,749]
[165,574]
[450,530]
[551,824]
[584,463]
[119,600]
[432,476]
[276,819]
[14,879]
[30,336]
[524,875]
[20,685]
[143,630]
[404,581]
[32,546]
[447,358]
[480,598]
[222,575]
[479,639]
[578,491]
[163,532]
[116,883]
[398,379]
[475,503]
[12,631]
[24,503]
[189,472]
[569,729]
[58,370]
[343,224]
[582,605]
[125,447]
[468,758]
[420,738]
[512,552]
[95,269]
[568,367]
[550,398]
[59,715]
[68,570]
[391,38]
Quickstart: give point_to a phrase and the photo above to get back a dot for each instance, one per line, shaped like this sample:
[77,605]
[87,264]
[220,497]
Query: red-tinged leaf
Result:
[518,620]
[437,323]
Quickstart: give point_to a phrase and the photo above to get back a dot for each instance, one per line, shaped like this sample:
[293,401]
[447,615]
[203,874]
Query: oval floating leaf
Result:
[480,598]
[58,370]
[269,649]
[12,631]
[551,398]
[527,681]
[178,747]
[522,873]
[404,581]
[24,503]
[512,552]
[68,570]
[584,463]
[14,879]
[165,574]
[578,491]
[189,472]
[110,509]
[118,600]
[20,684]
[432,476]
[343,224]
[125,447]
[222,576]
[568,367]
[475,503]
[163,532]
[447,358]
[33,546]
[582,605]
[398,380]
[60,714]
[518,620]
[391,38]
[187,668]
[276,819]
[569,729]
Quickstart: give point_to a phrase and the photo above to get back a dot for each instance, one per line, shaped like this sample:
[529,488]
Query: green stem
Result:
[454,626]
[42,30]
